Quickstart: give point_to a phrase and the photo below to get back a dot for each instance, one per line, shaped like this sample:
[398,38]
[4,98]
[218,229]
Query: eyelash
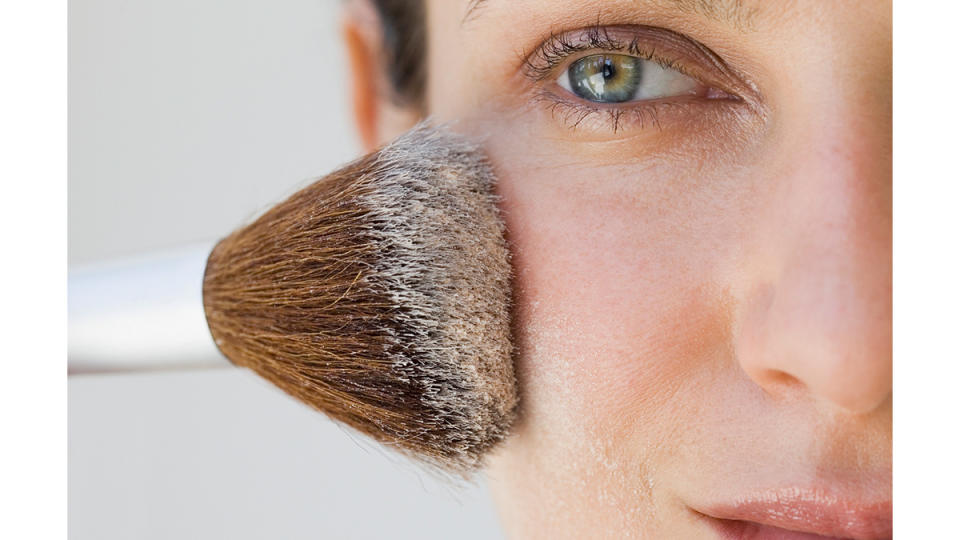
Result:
[558,48]
[542,64]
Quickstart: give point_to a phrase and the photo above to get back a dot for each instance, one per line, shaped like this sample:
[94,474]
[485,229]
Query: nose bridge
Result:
[821,313]
[837,202]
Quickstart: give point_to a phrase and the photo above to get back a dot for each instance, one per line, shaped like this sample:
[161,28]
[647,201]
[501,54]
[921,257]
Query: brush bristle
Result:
[380,295]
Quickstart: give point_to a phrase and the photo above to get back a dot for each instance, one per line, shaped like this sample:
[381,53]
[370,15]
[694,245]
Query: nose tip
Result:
[857,390]
[835,350]
[848,387]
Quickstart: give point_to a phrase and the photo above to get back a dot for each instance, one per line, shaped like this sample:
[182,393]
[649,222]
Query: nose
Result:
[816,310]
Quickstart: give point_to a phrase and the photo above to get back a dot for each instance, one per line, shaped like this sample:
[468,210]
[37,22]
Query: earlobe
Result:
[378,119]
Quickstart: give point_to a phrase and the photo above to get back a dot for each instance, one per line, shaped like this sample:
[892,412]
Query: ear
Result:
[377,116]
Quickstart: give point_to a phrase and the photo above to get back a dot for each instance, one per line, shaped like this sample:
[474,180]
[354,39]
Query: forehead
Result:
[733,13]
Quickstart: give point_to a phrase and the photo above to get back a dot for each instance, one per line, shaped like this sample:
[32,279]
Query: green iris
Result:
[606,78]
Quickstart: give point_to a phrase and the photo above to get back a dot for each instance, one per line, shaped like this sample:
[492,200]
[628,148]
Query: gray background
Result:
[186,118]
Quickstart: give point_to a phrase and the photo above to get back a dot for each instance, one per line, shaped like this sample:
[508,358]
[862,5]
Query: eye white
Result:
[564,80]
[660,82]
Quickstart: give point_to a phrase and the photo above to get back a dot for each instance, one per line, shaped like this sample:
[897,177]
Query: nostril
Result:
[778,383]
[851,393]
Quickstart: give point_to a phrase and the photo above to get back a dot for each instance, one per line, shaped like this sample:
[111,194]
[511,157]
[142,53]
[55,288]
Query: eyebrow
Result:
[730,12]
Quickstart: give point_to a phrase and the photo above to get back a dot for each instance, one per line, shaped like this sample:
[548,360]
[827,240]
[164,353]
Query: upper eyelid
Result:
[559,47]
[542,72]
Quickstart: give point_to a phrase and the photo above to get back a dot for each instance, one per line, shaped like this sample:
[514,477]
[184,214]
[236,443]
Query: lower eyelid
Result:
[606,119]
[575,113]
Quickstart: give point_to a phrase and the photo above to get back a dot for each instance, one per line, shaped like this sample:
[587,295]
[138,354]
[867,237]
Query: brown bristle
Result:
[380,295]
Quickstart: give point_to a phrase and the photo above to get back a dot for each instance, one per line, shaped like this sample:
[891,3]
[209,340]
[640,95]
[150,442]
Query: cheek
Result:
[619,317]
[617,289]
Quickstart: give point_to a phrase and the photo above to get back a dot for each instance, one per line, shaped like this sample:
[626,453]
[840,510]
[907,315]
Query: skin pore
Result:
[703,280]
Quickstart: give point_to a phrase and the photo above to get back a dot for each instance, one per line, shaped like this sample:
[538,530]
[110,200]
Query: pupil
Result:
[608,70]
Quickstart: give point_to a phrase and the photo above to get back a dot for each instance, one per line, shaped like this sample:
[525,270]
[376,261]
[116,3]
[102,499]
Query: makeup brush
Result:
[380,295]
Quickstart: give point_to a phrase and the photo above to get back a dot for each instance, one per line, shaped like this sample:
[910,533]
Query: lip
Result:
[800,513]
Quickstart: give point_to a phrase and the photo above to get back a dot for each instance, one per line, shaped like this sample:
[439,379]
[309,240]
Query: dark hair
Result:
[405,45]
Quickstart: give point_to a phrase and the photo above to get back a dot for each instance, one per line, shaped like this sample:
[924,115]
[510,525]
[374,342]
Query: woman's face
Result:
[697,194]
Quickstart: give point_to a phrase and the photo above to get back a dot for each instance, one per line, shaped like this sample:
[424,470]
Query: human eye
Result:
[630,76]
[618,78]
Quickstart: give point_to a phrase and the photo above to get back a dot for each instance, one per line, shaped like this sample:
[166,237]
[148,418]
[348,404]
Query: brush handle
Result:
[140,314]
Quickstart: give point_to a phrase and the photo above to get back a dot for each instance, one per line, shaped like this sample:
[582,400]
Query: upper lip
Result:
[810,511]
